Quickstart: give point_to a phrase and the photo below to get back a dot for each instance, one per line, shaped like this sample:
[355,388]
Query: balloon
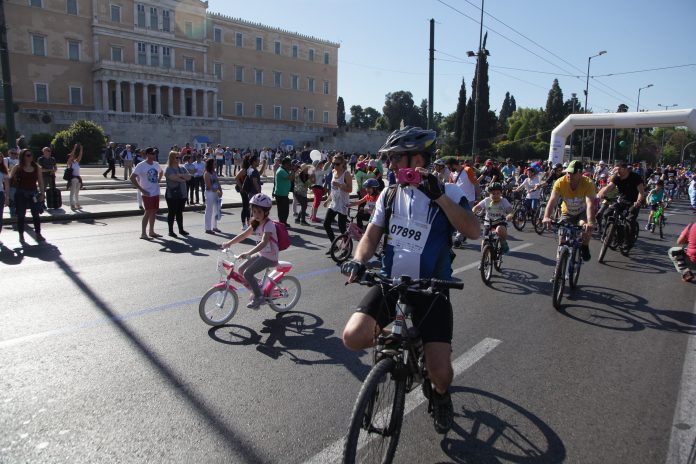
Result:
[622,143]
[315,155]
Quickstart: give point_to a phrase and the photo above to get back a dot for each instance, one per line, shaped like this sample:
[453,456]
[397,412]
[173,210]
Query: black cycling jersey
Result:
[628,187]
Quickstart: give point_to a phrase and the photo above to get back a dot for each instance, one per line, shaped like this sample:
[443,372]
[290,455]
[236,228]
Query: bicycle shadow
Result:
[518,282]
[289,334]
[493,429]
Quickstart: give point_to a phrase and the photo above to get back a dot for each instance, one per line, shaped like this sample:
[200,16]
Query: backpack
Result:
[283,236]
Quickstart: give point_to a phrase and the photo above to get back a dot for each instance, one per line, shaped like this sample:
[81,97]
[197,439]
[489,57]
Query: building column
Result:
[105,95]
[182,102]
[206,114]
[170,101]
[96,101]
[215,111]
[145,98]
[194,110]
[131,96]
[158,99]
[118,108]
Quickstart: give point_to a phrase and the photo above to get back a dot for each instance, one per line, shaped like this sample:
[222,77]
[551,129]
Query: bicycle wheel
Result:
[375,424]
[577,263]
[213,310]
[539,221]
[559,278]
[486,266]
[284,294]
[341,248]
[608,237]
[519,218]
[498,261]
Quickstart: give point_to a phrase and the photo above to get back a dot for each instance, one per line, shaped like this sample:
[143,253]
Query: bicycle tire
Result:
[289,296]
[486,264]
[498,261]
[519,218]
[559,279]
[577,264]
[226,313]
[376,404]
[341,248]
[539,221]
[608,237]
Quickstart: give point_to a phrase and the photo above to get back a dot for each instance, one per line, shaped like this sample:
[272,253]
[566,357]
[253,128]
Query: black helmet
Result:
[495,186]
[410,140]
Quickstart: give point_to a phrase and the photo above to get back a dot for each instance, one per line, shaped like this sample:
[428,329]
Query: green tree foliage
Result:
[505,112]
[423,112]
[623,108]
[399,106]
[555,108]
[340,113]
[572,105]
[459,114]
[484,130]
[526,123]
[356,116]
[363,118]
[89,134]
[370,116]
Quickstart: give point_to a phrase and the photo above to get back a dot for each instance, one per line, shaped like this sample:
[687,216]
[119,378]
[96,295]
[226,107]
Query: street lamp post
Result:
[662,149]
[587,88]
[474,147]
[635,132]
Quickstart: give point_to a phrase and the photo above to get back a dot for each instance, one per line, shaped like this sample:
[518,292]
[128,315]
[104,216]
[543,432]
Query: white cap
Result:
[601,162]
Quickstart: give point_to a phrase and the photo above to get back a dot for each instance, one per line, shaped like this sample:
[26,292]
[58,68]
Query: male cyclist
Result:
[433,210]
[631,191]
[577,193]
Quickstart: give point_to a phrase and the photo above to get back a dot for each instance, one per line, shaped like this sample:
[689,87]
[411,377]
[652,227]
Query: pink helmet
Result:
[261,200]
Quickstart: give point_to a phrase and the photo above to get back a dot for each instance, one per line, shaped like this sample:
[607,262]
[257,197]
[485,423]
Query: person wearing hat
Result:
[631,191]
[601,171]
[490,173]
[281,190]
[441,171]
[577,193]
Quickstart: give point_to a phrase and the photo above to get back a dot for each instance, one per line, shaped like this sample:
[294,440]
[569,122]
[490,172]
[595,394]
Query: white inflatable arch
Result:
[645,119]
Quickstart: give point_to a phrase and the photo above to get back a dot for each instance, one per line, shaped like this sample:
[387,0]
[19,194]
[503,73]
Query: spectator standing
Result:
[191,170]
[219,159]
[237,159]
[146,177]
[303,180]
[48,168]
[252,185]
[198,177]
[175,195]
[75,182]
[127,156]
[29,193]
[4,190]
[213,191]
[228,162]
[318,187]
[110,155]
[341,186]
[10,162]
[353,162]
[281,189]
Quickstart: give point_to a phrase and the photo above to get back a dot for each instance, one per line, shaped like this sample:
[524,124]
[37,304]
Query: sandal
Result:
[144,237]
[155,235]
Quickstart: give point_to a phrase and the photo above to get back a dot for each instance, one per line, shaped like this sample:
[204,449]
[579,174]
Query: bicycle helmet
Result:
[412,141]
[495,186]
[261,200]
[439,162]
[371,183]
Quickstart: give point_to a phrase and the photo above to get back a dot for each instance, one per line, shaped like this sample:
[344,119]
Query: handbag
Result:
[68,174]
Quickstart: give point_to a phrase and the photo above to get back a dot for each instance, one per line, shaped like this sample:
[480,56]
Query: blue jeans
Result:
[531,203]
[25,199]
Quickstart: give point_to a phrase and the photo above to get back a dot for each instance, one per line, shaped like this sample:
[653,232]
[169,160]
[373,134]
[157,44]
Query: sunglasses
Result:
[28,155]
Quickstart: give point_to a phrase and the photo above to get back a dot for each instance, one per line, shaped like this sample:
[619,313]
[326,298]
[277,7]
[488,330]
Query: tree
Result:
[399,106]
[623,108]
[340,113]
[555,109]
[89,134]
[484,129]
[423,112]
[513,105]
[504,113]
[370,116]
[459,114]
[356,116]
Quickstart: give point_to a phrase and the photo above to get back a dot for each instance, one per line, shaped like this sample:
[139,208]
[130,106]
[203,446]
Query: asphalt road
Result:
[105,359]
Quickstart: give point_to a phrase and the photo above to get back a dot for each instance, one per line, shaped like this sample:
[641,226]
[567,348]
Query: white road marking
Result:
[473,265]
[334,451]
[682,440]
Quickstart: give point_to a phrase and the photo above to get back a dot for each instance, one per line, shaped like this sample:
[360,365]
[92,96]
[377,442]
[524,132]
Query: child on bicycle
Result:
[497,208]
[655,197]
[265,253]
[532,185]
[372,191]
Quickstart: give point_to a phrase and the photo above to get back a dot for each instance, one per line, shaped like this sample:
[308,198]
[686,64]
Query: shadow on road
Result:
[291,334]
[492,429]
[517,282]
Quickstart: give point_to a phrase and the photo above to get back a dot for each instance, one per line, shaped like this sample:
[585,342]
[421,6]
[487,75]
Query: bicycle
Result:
[220,303]
[399,367]
[618,230]
[568,260]
[342,246]
[657,217]
[521,214]
[491,251]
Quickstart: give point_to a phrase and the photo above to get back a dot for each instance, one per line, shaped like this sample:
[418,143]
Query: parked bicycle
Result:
[342,246]
[491,251]
[399,367]
[619,233]
[219,304]
[657,217]
[568,260]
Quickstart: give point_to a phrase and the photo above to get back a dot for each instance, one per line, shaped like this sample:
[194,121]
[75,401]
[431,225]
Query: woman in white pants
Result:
[76,181]
[212,193]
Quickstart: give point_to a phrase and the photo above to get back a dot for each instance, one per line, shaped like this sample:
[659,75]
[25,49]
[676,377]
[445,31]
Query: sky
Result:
[384,47]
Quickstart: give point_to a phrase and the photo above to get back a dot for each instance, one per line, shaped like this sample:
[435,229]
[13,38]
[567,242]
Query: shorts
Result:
[431,315]
[574,219]
[150,203]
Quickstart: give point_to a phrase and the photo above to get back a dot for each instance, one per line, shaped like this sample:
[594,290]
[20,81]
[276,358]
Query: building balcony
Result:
[132,71]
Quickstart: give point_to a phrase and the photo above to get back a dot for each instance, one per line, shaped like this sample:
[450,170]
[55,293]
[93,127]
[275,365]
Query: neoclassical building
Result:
[166,57]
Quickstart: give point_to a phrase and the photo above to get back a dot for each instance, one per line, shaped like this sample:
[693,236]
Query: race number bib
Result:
[575,206]
[408,235]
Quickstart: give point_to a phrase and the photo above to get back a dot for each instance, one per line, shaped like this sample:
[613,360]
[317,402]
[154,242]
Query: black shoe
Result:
[443,412]
[104,174]
[40,238]
[304,223]
[172,234]
[21,238]
[297,220]
[184,233]
[585,252]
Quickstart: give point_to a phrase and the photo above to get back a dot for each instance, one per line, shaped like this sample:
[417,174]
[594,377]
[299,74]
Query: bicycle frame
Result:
[268,280]
[569,239]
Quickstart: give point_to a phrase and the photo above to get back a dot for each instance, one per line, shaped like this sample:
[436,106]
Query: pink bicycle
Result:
[220,303]
[342,246]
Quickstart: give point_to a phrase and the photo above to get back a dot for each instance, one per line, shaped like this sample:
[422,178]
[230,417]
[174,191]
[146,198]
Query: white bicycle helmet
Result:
[261,200]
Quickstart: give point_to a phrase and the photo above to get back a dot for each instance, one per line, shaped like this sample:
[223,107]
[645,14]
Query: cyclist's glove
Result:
[353,268]
[431,187]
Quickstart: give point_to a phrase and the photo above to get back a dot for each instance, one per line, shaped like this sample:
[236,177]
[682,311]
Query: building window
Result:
[294,113]
[36,3]
[188,29]
[277,112]
[310,84]
[310,115]
[218,107]
[73,50]
[310,54]
[140,13]
[189,65]
[295,51]
[258,111]
[75,95]
[326,58]
[277,79]
[217,35]
[41,93]
[38,45]
[238,39]
[154,55]
[239,109]
[217,70]
[116,13]
[326,87]
[166,21]
[259,43]
[142,53]
[295,82]
[239,73]
[166,57]
[277,47]
[258,76]
[154,19]
[116,54]
[326,117]
[71,7]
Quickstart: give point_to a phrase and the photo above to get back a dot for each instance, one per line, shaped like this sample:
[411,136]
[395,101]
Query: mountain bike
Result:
[342,246]
[491,251]
[619,233]
[220,303]
[657,217]
[523,213]
[568,260]
[399,367]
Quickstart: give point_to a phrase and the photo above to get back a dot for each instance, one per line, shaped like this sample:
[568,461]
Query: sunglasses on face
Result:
[28,155]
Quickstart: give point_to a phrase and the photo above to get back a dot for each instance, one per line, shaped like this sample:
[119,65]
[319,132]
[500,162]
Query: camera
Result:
[408,176]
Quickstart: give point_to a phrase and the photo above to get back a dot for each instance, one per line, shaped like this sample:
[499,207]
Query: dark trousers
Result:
[328,222]
[361,216]
[176,211]
[112,168]
[283,204]
[23,200]
[246,211]
[190,188]
[302,200]
[201,187]
[220,164]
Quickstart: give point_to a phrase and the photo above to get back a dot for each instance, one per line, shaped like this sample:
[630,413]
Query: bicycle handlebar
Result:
[371,279]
